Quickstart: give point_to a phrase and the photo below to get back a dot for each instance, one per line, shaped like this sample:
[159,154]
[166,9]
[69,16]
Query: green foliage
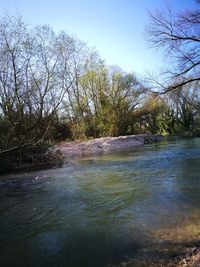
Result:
[107,98]
[155,116]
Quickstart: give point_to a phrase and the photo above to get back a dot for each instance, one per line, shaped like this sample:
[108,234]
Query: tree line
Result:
[55,87]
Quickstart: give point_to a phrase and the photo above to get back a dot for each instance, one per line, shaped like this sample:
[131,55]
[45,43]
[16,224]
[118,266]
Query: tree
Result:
[108,98]
[155,116]
[38,70]
[185,104]
[179,35]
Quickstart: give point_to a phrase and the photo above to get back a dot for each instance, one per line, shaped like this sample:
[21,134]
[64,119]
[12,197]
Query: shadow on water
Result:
[136,207]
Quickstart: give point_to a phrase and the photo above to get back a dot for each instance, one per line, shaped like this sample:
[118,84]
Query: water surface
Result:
[104,209]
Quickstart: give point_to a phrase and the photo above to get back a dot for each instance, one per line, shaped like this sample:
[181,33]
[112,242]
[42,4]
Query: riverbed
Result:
[106,210]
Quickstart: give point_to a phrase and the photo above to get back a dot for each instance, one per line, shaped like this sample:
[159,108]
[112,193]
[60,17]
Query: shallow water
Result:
[102,210]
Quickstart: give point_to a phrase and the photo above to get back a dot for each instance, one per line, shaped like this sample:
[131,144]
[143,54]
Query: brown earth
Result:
[102,145]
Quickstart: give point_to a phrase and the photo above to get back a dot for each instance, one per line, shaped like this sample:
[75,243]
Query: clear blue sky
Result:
[114,27]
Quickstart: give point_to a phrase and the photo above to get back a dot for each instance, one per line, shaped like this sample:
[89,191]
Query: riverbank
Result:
[66,150]
[28,158]
[173,257]
[42,157]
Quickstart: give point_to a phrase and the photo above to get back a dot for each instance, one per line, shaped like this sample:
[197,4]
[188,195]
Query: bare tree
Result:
[38,70]
[179,35]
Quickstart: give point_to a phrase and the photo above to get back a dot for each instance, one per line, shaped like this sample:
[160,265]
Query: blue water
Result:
[102,210]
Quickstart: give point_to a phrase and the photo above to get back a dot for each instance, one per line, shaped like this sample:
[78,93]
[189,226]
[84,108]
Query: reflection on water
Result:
[102,210]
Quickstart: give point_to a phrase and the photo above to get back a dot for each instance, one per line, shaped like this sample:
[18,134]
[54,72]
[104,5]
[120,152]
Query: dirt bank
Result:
[179,257]
[101,145]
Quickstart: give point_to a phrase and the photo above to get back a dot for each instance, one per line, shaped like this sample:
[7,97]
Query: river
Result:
[102,210]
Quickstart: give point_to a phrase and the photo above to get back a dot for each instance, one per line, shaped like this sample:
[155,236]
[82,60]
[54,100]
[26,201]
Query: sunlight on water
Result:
[102,210]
